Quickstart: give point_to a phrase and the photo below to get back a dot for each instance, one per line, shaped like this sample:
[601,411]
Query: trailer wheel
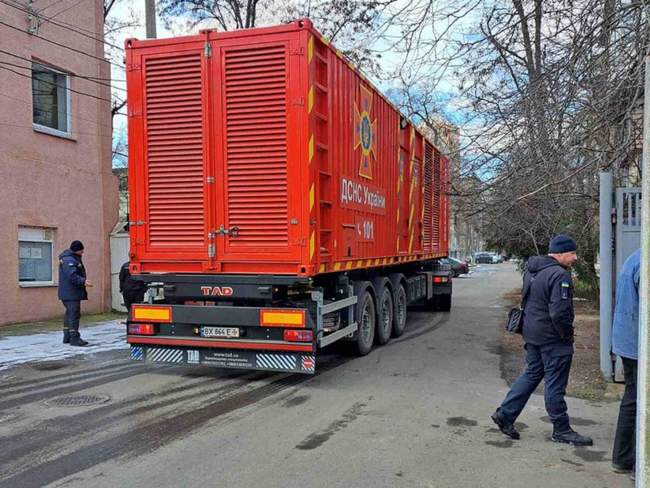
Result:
[399,316]
[367,320]
[443,303]
[385,316]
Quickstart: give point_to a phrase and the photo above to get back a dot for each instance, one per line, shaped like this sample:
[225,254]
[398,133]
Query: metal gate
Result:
[628,240]
[628,224]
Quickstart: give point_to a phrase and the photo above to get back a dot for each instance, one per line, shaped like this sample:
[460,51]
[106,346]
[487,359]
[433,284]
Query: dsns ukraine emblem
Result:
[365,133]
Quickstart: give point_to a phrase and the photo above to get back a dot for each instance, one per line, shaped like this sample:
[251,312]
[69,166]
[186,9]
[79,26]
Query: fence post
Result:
[606,278]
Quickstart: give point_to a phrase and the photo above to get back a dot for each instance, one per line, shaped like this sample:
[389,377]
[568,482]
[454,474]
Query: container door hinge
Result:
[300,51]
[133,223]
[207,50]
[209,179]
[300,101]
[211,250]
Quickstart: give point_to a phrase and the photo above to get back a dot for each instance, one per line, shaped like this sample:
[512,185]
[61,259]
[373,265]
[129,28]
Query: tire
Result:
[443,303]
[366,316]
[399,315]
[384,316]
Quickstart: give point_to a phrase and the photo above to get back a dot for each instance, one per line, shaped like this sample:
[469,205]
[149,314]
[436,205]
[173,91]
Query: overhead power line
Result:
[54,84]
[92,79]
[60,45]
[73,116]
[59,23]
[50,5]
[65,9]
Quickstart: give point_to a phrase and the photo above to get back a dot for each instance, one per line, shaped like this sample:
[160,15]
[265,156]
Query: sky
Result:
[126,10]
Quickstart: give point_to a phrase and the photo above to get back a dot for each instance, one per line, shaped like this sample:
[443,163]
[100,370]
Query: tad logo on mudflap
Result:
[219,291]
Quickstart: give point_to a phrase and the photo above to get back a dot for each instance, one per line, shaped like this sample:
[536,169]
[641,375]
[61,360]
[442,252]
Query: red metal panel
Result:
[255,93]
[174,122]
[428,198]
[258,160]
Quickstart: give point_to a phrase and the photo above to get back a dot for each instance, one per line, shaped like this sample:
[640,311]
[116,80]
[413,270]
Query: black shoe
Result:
[621,469]
[572,437]
[66,337]
[507,429]
[78,341]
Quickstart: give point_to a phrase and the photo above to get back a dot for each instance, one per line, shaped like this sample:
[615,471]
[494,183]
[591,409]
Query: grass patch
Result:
[56,324]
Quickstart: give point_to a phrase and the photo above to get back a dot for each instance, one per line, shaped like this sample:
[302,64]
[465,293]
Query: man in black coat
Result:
[72,289]
[132,290]
[548,336]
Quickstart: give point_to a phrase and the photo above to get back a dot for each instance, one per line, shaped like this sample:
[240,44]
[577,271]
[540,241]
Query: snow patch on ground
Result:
[48,346]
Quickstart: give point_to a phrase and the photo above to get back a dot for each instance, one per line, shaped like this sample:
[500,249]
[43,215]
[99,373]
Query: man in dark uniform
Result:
[548,336]
[72,289]
[132,290]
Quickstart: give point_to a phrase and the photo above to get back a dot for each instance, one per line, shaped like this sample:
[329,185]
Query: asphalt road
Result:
[413,413]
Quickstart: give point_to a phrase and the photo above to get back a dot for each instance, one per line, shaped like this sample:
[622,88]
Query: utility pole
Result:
[150,18]
[642,417]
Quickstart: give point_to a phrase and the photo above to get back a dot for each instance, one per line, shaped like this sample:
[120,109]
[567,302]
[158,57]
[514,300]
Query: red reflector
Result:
[141,329]
[298,335]
[440,279]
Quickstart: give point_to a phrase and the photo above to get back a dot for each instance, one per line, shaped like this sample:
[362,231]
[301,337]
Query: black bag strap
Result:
[524,297]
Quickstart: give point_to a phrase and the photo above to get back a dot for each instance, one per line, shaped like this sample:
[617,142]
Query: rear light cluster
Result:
[440,279]
[298,335]
[141,329]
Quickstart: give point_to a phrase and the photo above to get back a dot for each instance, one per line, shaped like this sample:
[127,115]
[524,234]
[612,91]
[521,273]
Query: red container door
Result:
[258,216]
[172,200]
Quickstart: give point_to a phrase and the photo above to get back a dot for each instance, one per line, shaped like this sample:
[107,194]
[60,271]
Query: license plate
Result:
[222,332]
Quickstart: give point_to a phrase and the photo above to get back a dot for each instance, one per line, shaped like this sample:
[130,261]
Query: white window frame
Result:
[30,234]
[44,128]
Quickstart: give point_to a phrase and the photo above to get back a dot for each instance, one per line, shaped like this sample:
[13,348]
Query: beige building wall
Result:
[58,183]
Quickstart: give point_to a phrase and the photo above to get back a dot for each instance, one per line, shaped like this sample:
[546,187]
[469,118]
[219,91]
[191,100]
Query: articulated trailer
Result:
[278,202]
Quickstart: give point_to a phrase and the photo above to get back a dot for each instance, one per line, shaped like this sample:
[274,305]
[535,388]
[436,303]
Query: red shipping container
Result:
[264,151]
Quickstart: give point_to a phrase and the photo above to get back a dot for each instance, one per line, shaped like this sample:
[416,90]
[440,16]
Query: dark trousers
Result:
[72,316]
[541,363]
[624,454]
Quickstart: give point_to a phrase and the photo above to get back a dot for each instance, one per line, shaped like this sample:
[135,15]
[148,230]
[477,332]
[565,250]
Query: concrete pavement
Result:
[413,413]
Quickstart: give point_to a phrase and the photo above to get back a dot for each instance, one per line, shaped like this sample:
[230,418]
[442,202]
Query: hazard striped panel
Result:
[164,355]
[276,361]
[174,151]
[428,196]
[256,145]
[136,353]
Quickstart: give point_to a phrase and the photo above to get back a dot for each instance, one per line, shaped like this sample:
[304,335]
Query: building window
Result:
[35,256]
[51,100]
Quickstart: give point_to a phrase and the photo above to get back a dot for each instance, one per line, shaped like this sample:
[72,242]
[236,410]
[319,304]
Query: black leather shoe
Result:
[507,429]
[78,341]
[66,337]
[572,437]
[620,469]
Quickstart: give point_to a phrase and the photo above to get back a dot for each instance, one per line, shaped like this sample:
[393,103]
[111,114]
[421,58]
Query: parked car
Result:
[458,267]
[483,258]
[497,258]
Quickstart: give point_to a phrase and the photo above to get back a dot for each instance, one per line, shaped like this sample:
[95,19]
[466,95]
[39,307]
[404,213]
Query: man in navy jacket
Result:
[548,334]
[72,289]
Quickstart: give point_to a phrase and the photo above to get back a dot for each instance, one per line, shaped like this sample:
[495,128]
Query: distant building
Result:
[55,154]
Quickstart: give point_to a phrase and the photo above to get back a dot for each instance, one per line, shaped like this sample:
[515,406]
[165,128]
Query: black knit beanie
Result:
[562,243]
[76,246]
